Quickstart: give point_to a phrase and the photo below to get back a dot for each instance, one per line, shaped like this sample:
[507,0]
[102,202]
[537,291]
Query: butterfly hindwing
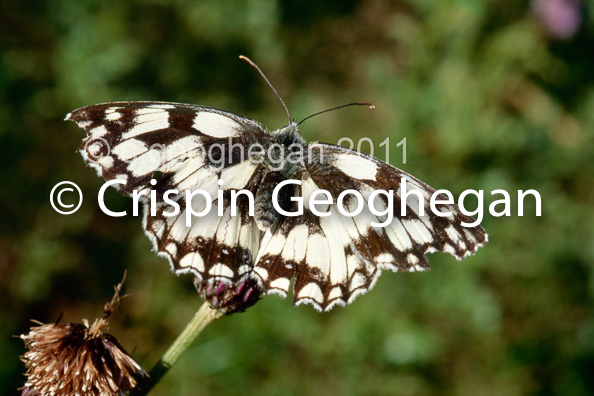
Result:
[211,246]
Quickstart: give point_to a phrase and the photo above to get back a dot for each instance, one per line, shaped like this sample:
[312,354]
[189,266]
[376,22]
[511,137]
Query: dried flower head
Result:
[78,359]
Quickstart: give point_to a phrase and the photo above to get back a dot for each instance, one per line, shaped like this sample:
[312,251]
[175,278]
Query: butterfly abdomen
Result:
[265,213]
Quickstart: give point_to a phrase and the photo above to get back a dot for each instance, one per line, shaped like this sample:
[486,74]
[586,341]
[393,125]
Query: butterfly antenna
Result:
[248,60]
[371,106]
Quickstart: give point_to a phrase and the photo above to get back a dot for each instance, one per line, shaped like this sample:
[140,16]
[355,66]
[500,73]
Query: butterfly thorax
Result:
[284,162]
[287,151]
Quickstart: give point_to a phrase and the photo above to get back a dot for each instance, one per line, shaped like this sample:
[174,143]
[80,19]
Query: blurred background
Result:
[490,95]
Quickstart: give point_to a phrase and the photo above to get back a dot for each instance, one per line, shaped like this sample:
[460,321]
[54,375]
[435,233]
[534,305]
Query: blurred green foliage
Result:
[487,100]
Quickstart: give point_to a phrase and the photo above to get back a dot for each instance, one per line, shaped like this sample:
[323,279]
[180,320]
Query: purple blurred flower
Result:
[561,18]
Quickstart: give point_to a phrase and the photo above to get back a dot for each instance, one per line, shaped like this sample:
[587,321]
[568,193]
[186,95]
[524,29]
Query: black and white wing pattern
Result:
[336,258]
[191,148]
[133,140]
[152,148]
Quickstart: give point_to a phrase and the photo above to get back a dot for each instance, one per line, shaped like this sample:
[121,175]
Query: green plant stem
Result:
[201,319]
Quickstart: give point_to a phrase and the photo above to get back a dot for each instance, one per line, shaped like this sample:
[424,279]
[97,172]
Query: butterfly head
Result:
[289,136]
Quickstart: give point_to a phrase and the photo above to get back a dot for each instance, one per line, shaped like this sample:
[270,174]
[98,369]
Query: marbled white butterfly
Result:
[236,259]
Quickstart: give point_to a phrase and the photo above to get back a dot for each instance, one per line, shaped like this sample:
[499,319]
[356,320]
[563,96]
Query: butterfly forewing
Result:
[133,140]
